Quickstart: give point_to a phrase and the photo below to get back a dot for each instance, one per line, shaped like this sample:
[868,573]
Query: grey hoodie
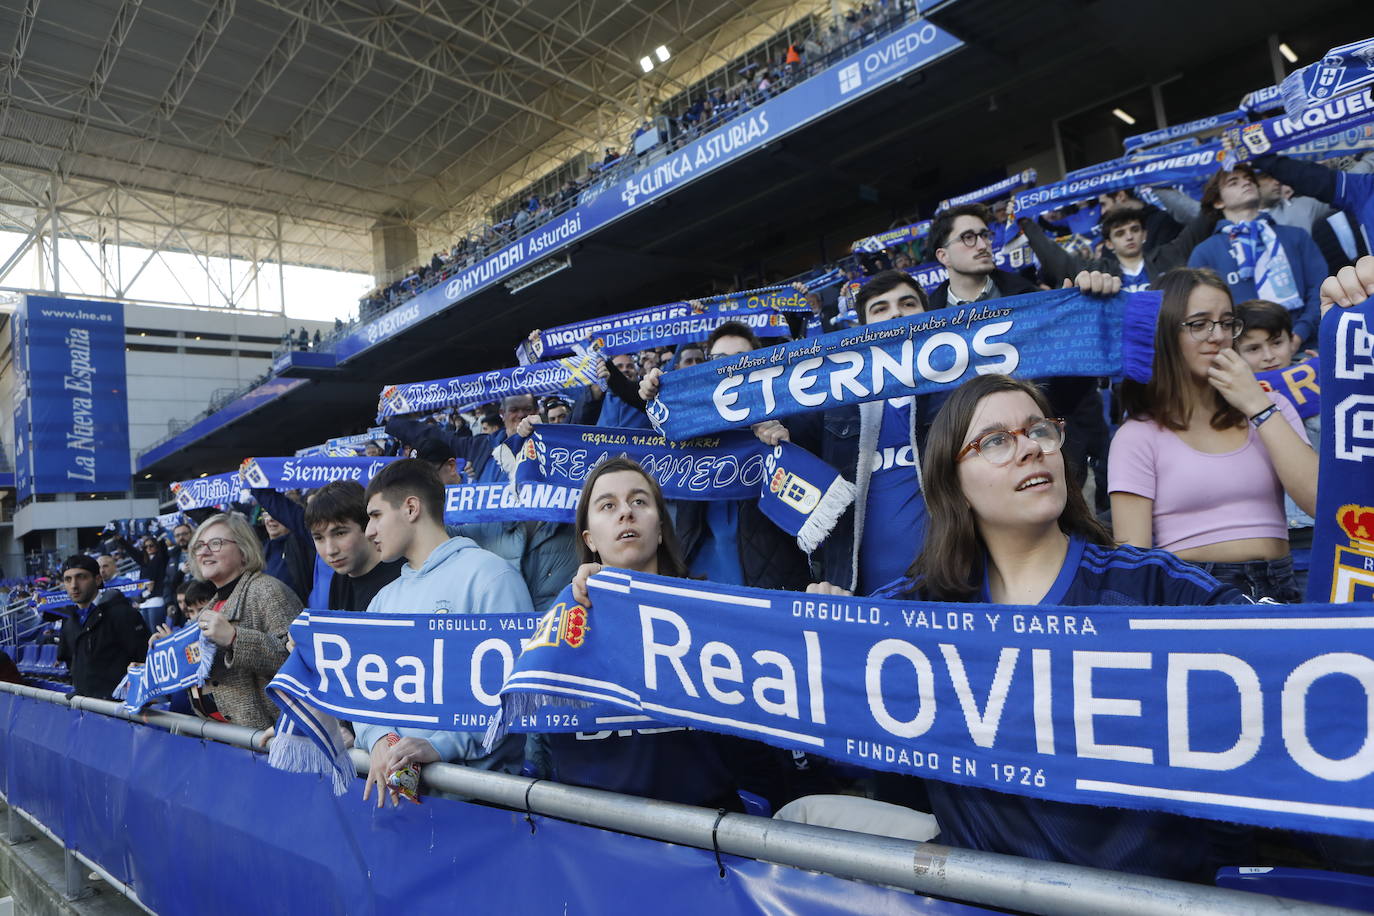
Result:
[458,578]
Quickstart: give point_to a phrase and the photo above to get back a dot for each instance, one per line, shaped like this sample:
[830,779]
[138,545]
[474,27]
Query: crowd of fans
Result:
[1195,489]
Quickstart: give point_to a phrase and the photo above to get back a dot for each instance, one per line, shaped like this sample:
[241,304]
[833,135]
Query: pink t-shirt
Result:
[1201,498]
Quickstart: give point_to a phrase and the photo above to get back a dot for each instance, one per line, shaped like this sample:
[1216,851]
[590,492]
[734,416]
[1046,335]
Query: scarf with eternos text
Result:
[1107,706]
[578,371]
[797,491]
[298,473]
[1341,71]
[1254,246]
[1299,383]
[437,671]
[1342,566]
[1038,335]
[175,662]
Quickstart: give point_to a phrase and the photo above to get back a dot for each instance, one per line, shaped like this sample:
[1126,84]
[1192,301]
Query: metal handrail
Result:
[990,879]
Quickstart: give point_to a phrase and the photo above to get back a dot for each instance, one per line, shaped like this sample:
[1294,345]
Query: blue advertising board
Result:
[73,421]
[906,50]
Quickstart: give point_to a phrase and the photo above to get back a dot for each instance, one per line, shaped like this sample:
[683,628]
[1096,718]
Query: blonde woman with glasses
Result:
[247,619]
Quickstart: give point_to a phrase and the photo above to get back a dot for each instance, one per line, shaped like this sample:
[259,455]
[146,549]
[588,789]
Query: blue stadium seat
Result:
[23,658]
[47,659]
[1332,888]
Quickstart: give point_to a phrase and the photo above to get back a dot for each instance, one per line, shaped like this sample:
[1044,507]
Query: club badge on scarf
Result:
[174,663]
[435,671]
[1039,335]
[802,494]
[1341,71]
[1107,706]
[539,378]
[1342,568]
[1280,134]
[1255,247]
[472,503]
[316,471]
[1298,383]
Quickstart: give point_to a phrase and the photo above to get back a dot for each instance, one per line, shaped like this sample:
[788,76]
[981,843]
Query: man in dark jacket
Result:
[1126,250]
[963,244]
[103,634]
[1160,227]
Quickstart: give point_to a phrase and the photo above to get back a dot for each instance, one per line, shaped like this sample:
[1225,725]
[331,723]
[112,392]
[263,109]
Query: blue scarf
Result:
[1255,248]
[1342,71]
[1183,168]
[1039,335]
[438,671]
[1167,134]
[1089,705]
[564,338]
[802,494]
[995,191]
[308,473]
[499,502]
[1342,567]
[892,238]
[1298,383]
[171,520]
[728,466]
[215,490]
[1279,134]
[688,329]
[1262,101]
[482,387]
[174,663]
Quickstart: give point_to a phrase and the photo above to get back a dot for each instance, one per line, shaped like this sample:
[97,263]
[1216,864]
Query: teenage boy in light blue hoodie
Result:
[441,575]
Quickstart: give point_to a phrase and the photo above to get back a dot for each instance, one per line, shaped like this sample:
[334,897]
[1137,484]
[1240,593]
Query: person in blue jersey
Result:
[1258,258]
[623,522]
[1005,527]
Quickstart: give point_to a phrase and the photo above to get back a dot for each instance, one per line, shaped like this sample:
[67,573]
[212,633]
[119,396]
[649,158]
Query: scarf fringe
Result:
[298,754]
[1138,337]
[121,690]
[826,515]
[516,705]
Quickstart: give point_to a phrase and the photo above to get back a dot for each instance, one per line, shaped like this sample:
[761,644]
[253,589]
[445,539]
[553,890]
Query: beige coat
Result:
[262,609]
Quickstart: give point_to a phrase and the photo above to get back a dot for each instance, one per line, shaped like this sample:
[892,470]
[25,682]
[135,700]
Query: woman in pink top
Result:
[1202,463]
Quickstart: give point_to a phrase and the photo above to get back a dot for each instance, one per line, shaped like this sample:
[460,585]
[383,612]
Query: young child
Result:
[1267,343]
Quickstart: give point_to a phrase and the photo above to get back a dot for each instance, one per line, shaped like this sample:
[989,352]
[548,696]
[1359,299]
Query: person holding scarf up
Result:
[1257,258]
[1006,526]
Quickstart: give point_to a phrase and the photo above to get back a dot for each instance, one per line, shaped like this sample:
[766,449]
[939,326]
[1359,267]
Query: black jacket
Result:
[1008,284]
[1058,265]
[99,652]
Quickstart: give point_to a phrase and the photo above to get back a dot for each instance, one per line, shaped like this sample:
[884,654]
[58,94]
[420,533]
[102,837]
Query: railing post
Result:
[14,827]
[75,885]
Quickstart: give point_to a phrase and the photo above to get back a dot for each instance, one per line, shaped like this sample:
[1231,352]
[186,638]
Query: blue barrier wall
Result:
[203,828]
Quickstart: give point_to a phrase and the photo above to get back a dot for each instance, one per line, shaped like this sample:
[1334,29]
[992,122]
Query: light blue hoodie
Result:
[458,578]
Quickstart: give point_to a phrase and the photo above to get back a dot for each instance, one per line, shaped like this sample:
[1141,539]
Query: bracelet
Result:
[1258,419]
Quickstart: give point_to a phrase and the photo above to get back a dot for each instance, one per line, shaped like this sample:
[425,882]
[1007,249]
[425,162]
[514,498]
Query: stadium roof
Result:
[334,114]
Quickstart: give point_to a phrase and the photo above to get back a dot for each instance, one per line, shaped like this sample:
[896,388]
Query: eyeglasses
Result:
[999,446]
[1201,328]
[213,545]
[971,238]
